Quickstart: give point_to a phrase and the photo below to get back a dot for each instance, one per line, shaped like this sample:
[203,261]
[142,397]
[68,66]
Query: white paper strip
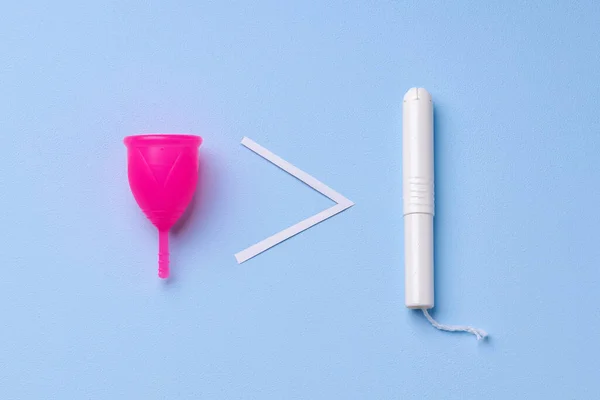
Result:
[342,203]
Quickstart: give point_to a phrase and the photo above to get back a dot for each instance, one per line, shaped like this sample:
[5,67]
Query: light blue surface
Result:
[516,91]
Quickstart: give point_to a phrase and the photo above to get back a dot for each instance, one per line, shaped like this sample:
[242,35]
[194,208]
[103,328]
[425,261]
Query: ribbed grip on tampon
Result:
[419,196]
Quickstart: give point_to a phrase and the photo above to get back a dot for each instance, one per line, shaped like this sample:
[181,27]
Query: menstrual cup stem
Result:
[163,254]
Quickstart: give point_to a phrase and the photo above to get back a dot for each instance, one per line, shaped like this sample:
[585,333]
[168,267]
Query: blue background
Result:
[516,89]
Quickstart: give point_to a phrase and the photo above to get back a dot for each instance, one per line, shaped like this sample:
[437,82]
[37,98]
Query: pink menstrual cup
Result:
[163,172]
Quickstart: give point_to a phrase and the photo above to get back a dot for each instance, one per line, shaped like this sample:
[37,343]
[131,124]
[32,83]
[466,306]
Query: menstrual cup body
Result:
[163,172]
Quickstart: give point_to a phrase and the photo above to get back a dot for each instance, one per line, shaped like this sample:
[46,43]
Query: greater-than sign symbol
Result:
[342,203]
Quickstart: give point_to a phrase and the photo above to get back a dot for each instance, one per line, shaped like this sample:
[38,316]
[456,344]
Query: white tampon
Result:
[418,198]
[417,193]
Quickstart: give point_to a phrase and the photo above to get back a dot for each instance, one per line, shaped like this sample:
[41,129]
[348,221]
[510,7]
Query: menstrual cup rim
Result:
[163,139]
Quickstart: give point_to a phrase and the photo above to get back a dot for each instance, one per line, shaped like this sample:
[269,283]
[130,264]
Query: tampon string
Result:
[480,334]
